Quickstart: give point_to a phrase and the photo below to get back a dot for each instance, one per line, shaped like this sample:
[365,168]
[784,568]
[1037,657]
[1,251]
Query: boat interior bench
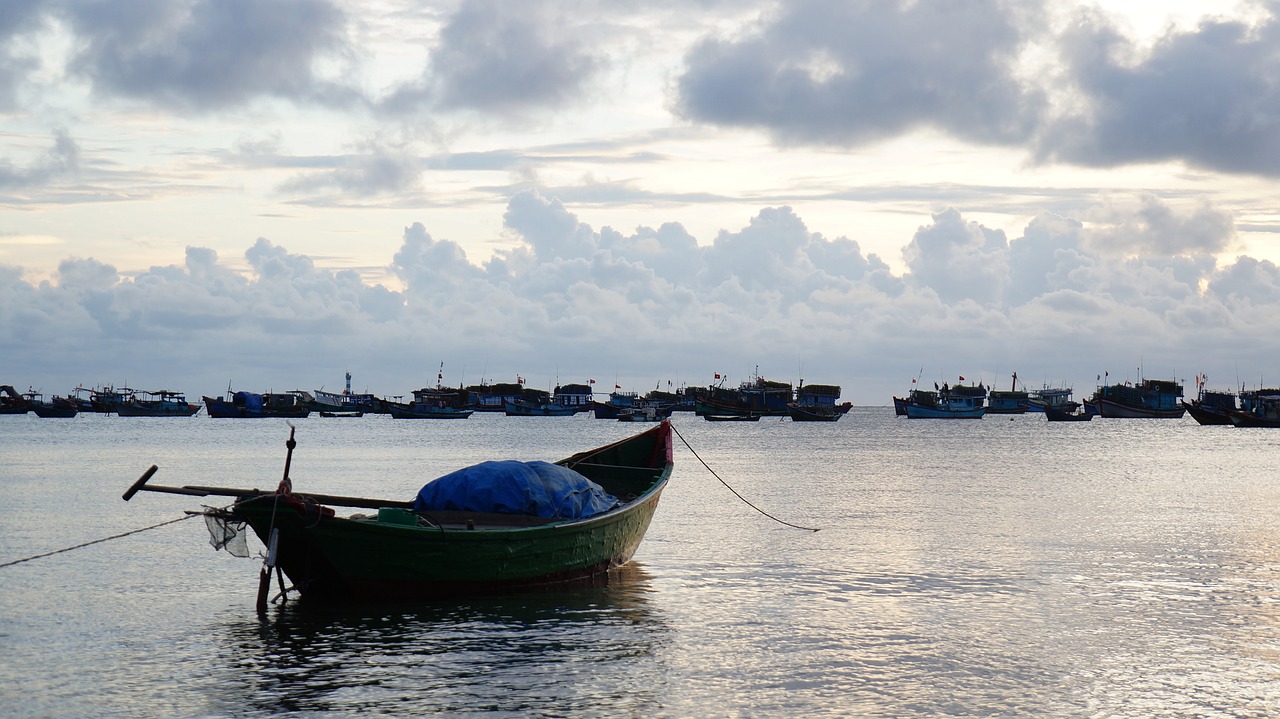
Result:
[455,519]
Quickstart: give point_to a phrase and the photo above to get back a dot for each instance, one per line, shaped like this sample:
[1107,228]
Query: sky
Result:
[203,194]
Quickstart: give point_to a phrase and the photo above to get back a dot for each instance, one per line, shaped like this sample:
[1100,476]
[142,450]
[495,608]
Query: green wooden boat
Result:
[397,554]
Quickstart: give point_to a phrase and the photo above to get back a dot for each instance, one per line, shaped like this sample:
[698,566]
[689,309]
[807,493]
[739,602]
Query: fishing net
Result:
[226,533]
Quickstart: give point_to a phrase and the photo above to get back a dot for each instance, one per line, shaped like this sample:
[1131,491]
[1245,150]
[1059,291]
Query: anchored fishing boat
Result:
[1009,401]
[1212,407]
[947,402]
[543,523]
[1149,399]
[160,403]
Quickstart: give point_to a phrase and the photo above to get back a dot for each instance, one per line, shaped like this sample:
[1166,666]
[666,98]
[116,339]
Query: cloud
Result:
[959,260]
[1155,229]
[1207,97]
[376,168]
[209,54]
[570,301]
[849,74]
[17,63]
[59,161]
[841,74]
[504,58]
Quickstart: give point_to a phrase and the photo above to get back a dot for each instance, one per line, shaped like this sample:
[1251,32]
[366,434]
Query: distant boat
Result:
[249,405]
[342,414]
[399,410]
[109,399]
[431,403]
[522,408]
[1260,408]
[731,417]
[643,414]
[12,402]
[1062,414]
[756,396]
[1149,399]
[1038,400]
[1212,407]
[344,402]
[1010,401]
[818,412]
[817,403]
[58,407]
[948,402]
[160,403]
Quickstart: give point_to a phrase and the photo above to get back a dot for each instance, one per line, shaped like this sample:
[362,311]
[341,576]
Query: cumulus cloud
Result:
[1206,96]
[850,74]
[209,54]
[500,58]
[846,73]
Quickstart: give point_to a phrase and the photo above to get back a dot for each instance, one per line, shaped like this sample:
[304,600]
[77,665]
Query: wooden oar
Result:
[198,491]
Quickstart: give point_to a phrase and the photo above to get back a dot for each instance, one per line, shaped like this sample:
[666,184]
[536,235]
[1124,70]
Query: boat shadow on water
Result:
[561,649]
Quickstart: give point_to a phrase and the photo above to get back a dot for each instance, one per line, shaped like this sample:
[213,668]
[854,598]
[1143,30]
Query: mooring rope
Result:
[731,489]
[98,541]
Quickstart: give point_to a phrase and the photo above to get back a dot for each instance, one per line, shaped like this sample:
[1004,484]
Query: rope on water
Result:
[731,489]
[99,541]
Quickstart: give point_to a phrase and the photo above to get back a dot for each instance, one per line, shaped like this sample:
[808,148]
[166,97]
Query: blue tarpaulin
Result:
[251,401]
[539,489]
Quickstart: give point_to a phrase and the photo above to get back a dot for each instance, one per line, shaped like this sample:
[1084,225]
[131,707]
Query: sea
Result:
[1002,567]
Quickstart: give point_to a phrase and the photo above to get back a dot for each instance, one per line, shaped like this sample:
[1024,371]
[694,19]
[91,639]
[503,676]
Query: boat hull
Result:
[818,412]
[915,411]
[1245,419]
[1208,415]
[172,410]
[408,412]
[1054,414]
[223,409]
[50,412]
[1113,410]
[522,409]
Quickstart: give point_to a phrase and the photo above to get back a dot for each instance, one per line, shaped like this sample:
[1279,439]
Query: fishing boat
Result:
[58,407]
[818,412]
[1259,408]
[1149,399]
[404,410]
[817,403]
[345,402]
[1010,401]
[524,408]
[1062,414]
[425,548]
[109,399]
[12,402]
[948,402]
[644,414]
[160,403]
[1211,407]
[1039,400]
[431,403]
[756,396]
[249,405]
[749,417]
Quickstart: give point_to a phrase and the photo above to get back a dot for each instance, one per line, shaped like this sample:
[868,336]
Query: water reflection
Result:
[541,653]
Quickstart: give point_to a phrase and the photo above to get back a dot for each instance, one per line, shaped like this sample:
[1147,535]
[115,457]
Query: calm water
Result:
[1004,567]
